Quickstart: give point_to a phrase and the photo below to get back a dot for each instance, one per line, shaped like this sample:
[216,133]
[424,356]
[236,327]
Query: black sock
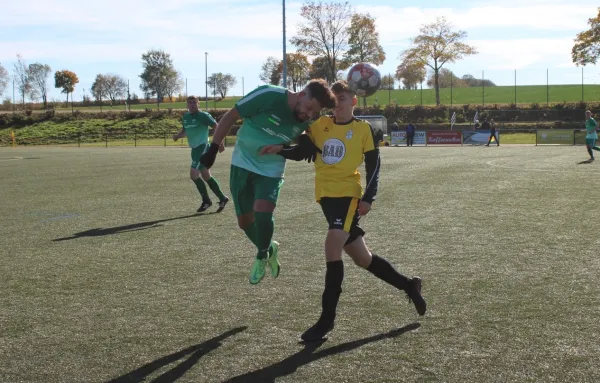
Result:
[333,288]
[383,270]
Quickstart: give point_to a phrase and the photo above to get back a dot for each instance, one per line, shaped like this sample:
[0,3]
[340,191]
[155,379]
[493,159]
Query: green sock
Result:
[214,186]
[251,233]
[596,148]
[264,232]
[202,189]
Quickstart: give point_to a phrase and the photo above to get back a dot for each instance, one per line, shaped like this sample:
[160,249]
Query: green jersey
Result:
[268,120]
[196,127]
[590,127]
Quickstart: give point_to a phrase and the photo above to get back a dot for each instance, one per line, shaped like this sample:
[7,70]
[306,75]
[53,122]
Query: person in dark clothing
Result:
[410,134]
[492,128]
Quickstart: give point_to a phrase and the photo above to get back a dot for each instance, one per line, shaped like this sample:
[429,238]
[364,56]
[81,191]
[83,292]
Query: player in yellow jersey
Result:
[337,145]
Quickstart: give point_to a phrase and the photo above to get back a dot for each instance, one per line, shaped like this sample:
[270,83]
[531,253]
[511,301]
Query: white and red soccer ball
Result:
[364,79]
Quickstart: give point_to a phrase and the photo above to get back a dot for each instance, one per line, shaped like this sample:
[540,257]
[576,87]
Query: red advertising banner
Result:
[444,138]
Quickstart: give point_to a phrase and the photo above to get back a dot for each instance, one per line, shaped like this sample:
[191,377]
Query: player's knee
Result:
[194,174]
[245,221]
[205,173]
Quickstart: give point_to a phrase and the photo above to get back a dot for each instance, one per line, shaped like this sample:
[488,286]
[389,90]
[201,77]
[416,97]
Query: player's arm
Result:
[179,135]
[221,130]
[372,166]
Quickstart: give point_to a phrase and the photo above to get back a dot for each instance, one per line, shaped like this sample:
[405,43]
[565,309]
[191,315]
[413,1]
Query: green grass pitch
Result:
[107,274]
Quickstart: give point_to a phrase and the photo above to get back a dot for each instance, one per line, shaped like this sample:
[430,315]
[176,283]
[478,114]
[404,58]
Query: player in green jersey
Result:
[195,127]
[271,115]
[591,127]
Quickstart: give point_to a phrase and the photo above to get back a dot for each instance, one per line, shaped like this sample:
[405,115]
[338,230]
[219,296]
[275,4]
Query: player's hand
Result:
[221,148]
[270,149]
[208,158]
[364,208]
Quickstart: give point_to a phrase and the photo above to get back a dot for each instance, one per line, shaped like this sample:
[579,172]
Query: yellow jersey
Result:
[343,147]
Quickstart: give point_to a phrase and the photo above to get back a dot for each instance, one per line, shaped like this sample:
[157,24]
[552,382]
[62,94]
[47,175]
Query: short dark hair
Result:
[341,86]
[192,97]
[319,89]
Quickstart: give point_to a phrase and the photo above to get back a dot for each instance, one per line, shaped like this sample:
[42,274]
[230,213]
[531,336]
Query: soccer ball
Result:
[364,79]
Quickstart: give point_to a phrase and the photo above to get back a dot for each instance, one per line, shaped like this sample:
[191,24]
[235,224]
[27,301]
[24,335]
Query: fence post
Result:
[106,139]
[135,140]
[79,140]
[165,138]
[536,137]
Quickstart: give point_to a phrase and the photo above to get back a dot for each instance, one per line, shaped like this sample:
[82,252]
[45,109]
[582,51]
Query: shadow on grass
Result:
[122,229]
[193,354]
[585,162]
[307,355]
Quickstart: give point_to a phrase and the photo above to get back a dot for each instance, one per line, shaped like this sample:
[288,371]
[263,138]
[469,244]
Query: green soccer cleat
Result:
[274,264]
[258,270]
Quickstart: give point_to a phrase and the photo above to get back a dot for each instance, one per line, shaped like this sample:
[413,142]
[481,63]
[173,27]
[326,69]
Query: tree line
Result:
[159,79]
[331,33]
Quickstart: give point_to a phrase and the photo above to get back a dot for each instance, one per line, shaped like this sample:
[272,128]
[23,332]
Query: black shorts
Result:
[342,214]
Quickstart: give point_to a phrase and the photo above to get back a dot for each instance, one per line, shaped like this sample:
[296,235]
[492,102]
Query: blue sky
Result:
[110,36]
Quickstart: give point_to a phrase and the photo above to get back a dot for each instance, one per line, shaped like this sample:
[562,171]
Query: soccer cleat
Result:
[258,270]
[222,204]
[318,331]
[414,295]
[273,263]
[205,206]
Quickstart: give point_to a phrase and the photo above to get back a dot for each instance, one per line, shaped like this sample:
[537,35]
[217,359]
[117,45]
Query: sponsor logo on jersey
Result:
[334,151]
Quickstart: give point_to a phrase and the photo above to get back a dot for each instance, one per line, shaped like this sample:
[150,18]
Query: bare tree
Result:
[115,87]
[437,45]
[325,33]
[3,79]
[22,78]
[38,75]
[269,72]
[174,84]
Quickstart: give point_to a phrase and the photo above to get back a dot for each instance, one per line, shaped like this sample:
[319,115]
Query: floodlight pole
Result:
[284,74]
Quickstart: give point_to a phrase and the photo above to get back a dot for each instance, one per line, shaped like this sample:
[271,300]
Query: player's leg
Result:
[594,147]
[338,214]
[382,269]
[589,144]
[242,194]
[197,179]
[266,192]
[215,187]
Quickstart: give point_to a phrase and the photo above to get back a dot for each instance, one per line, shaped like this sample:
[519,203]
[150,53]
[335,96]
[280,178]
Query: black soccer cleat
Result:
[318,331]
[222,204]
[205,206]
[414,295]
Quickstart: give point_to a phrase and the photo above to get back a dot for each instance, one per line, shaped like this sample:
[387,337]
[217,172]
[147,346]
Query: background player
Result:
[345,141]
[195,127]
[272,115]
[591,127]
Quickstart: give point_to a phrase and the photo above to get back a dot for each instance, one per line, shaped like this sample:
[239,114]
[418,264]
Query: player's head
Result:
[588,114]
[344,97]
[314,97]
[192,104]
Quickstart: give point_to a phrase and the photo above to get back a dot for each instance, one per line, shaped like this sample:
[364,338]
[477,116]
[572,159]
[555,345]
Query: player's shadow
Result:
[307,355]
[585,162]
[192,355]
[98,232]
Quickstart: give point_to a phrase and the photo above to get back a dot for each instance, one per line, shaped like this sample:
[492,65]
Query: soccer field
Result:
[107,274]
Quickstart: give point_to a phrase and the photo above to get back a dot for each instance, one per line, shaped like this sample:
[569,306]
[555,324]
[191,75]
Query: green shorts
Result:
[590,142]
[197,152]
[247,187]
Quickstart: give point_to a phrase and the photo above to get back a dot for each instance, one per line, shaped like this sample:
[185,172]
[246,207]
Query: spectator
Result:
[492,134]
[410,134]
